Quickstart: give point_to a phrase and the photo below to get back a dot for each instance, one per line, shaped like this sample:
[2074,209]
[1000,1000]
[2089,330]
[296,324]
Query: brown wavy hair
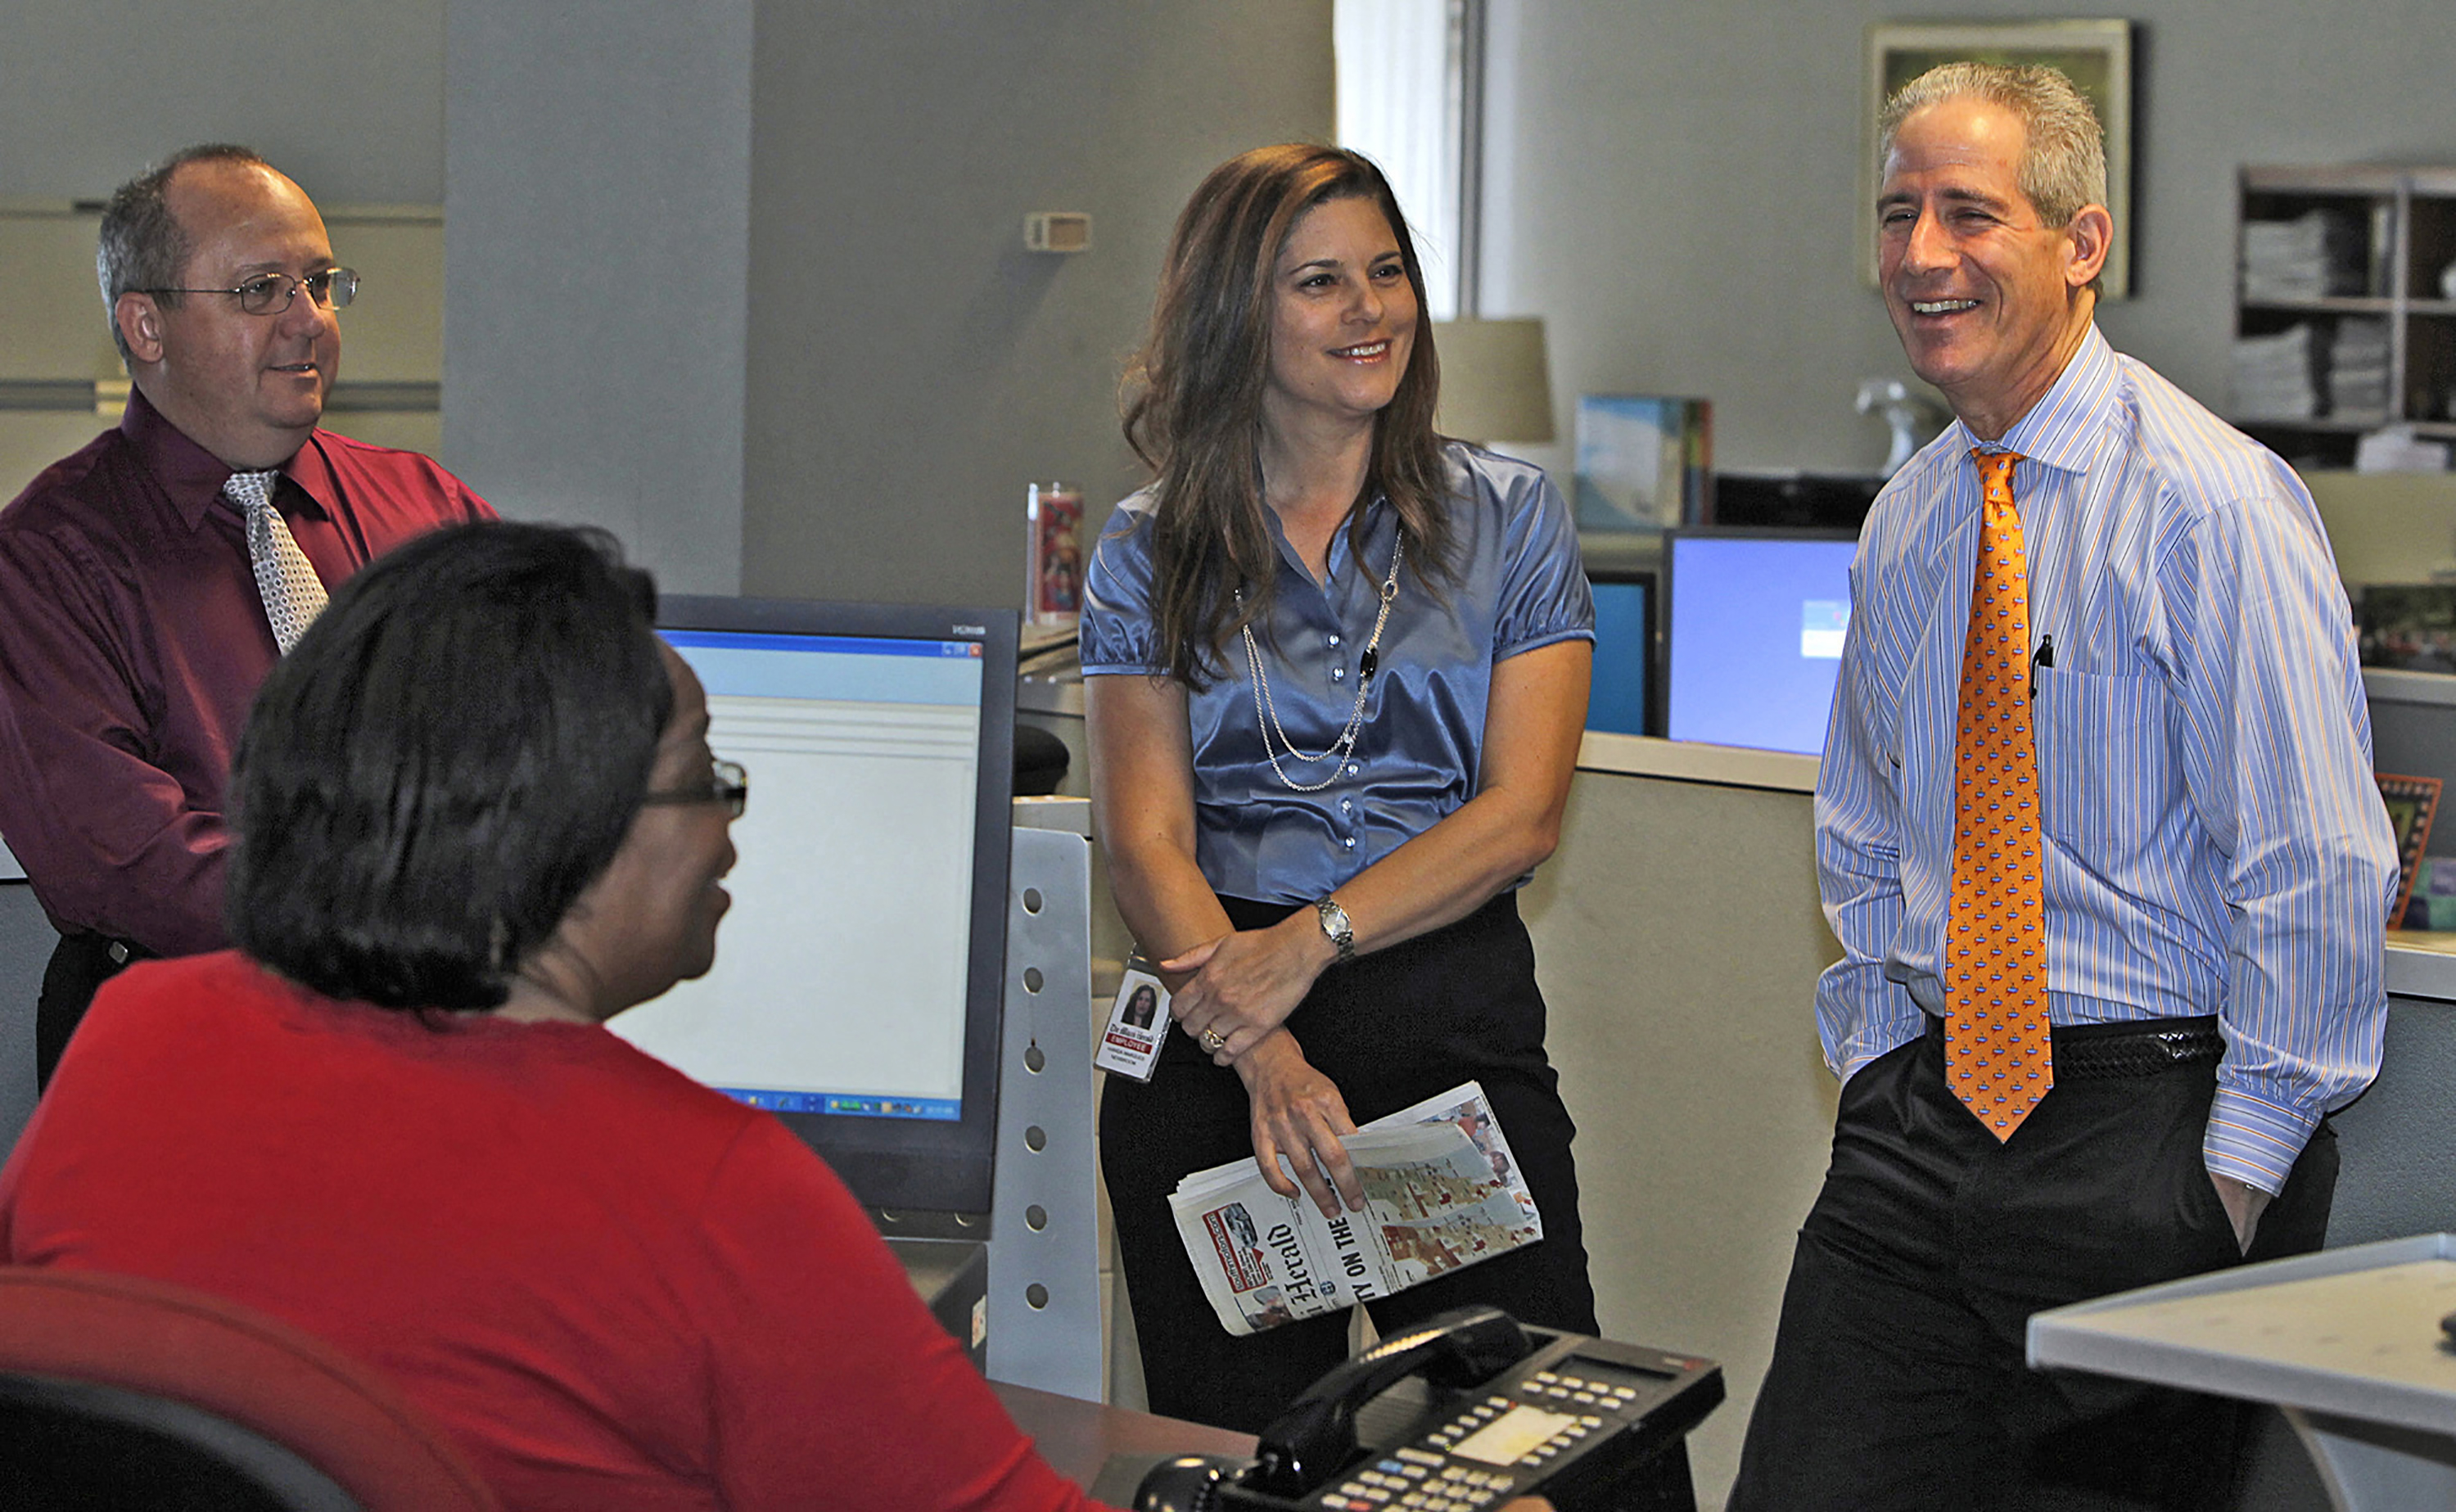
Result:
[1194,401]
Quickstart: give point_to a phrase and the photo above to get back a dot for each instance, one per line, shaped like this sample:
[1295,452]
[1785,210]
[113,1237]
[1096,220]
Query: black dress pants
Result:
[79,965]
[1898,1378]
[1389,1029]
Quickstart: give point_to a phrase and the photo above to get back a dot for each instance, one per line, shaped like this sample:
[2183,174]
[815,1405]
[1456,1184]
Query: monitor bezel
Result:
[1670,589]
[904,1165]
[1653,581]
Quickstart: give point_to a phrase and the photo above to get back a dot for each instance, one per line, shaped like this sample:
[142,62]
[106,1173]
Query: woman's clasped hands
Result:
[1244,984]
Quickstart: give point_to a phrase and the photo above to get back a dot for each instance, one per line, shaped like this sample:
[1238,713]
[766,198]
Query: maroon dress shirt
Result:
[132,643]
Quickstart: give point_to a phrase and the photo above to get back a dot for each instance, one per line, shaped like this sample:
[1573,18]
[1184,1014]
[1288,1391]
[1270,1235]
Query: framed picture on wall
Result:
[2096,56]
[2411,803]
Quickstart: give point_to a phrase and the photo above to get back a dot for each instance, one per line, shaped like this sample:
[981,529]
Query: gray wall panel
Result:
[26,941]
[911,366]
[596,215]
[346,97]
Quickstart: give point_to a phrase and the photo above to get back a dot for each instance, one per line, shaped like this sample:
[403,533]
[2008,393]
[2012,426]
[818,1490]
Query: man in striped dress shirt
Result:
[2210,877]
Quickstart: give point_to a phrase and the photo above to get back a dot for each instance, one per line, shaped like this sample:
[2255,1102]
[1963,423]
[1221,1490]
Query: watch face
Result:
[1334,924]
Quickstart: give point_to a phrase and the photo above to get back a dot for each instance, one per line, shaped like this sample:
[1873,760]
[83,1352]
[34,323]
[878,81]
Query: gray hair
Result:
[2064,157]
[143,246]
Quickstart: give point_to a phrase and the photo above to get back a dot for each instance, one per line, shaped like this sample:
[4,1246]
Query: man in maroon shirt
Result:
[133,629]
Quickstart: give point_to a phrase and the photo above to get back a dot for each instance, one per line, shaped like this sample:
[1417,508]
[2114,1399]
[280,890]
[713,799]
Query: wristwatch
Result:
[1335,927]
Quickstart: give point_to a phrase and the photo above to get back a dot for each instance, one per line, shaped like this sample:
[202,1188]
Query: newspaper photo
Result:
[1440,1191]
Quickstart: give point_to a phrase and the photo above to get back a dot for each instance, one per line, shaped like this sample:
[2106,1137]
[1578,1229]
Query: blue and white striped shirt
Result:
[2214,841]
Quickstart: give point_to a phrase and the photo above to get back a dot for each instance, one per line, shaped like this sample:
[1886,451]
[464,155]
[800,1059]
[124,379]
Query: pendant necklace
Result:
[1266,712]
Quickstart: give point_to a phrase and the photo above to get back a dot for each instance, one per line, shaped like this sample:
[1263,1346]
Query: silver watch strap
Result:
[1335,927]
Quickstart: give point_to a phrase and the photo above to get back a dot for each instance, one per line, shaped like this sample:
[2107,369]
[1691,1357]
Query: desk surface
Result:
[1079,1437]
[2353,1332]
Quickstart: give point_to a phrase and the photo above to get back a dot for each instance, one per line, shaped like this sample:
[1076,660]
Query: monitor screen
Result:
[1624,651]
[858,978]
[1756,624]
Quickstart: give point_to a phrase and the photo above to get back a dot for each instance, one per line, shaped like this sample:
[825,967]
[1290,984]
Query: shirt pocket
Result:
[2104,770]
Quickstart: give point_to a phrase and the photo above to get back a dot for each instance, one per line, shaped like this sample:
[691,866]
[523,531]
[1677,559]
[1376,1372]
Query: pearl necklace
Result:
[1266,711]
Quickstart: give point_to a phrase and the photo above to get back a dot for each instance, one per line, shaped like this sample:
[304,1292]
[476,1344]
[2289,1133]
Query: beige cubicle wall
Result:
[1678,940]
[2389,527]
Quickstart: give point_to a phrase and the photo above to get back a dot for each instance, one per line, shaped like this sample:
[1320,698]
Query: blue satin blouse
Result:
[1521,586]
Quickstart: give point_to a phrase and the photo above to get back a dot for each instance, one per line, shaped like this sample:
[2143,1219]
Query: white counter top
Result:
[2421,964]
[1696,762]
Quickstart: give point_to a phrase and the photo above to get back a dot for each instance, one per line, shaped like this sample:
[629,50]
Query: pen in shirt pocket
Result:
[2043,656]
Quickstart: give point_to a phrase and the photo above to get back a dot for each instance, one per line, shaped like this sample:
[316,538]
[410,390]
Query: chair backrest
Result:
[116,1391]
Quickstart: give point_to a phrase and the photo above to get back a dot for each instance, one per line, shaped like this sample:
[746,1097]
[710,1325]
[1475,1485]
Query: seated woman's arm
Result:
[832,1386]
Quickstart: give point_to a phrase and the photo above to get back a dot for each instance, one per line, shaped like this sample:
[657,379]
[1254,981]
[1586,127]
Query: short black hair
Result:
[454,751]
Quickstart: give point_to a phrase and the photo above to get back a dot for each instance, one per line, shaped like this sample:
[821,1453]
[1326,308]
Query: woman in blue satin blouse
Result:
[1337,671]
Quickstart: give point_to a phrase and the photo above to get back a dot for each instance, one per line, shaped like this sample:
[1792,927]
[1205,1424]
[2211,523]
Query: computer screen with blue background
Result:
[1757,621]
[1624,652]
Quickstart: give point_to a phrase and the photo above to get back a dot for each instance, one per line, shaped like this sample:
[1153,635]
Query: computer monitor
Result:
[859,975]
[1624,681]
[1756,622]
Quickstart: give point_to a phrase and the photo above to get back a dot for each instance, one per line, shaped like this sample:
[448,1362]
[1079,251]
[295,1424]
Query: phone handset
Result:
[1316,1435]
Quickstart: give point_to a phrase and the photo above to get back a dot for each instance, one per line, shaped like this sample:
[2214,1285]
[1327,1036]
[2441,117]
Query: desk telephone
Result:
[1465,1413]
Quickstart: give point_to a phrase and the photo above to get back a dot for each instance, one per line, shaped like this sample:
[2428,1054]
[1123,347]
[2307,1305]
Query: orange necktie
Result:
[1998,1059]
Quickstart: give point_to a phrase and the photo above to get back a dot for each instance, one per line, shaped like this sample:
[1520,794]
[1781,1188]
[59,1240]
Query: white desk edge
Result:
[2077,1337]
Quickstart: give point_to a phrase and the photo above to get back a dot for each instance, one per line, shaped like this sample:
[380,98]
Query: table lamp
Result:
[1495,385]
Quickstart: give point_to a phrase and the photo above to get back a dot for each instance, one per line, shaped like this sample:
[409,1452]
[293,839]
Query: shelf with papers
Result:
[2344,317]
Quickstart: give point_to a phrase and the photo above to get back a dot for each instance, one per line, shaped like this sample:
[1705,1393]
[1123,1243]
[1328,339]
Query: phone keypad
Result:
[1426,1479]
[1419,1482]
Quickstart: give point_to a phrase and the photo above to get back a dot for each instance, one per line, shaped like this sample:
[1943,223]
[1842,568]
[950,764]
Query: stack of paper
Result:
[2358,370]
[2272,376]
[2308,257]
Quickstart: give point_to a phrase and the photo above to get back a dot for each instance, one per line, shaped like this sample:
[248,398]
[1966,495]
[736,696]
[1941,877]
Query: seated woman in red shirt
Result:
[477,816]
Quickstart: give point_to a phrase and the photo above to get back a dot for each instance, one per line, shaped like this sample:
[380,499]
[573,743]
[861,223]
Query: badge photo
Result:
[1138,1024]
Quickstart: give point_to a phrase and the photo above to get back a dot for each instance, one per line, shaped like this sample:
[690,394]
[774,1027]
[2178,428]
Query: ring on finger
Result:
[1213,1041]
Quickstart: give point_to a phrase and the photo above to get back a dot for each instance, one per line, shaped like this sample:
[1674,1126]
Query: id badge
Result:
[1138,1024]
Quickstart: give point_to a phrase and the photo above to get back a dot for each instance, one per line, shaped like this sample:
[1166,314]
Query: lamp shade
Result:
[1495,384]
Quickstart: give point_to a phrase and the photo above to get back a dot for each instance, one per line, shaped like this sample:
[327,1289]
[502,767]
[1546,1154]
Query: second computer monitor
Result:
[1756,626]
[1623,697]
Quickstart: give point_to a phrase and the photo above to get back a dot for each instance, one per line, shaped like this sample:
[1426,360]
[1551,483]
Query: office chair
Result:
[116,1392]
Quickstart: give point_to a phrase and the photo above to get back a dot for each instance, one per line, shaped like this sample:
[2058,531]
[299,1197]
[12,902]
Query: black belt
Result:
[2102,1052]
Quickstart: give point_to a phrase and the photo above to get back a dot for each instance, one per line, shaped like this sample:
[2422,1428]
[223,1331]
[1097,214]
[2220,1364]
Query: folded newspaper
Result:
[1440,1191]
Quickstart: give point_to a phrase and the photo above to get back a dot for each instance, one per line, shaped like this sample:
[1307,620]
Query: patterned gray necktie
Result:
[285,579]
